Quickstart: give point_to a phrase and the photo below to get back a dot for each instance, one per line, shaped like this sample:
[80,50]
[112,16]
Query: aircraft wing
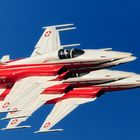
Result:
[60,110]
[22,104]
[50,40]
[25,89]
[23,115]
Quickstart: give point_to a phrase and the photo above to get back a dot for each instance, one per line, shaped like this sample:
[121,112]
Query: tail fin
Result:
[50,40]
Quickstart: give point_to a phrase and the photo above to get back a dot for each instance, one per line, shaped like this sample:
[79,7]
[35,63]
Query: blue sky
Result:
[100,24]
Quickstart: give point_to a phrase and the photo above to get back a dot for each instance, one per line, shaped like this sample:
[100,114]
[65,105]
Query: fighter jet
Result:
[66,77]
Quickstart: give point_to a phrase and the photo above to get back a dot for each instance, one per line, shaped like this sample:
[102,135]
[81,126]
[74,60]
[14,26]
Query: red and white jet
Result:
[56,75]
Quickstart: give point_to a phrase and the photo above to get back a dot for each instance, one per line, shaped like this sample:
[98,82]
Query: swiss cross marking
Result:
[47,33]
[6,105]
[47,125]
[14,121]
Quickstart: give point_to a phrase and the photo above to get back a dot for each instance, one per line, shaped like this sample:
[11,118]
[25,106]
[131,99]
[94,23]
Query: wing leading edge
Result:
[60,110]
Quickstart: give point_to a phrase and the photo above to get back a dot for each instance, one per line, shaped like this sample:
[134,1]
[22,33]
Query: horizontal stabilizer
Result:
[66,29]
[51,130]
[5,58]
[70,45]
[61,25]
[18,127]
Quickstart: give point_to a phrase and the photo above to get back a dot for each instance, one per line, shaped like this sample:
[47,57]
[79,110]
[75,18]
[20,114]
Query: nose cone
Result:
[122,74]
[130,82]
[118,55]
[103,75]
[123,60]
[109,74]
[134,80]
[99,56]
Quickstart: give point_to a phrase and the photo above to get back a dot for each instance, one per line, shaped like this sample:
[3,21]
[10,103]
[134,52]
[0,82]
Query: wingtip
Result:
[47,131]
[57,26]
[8,118]
[18,127]
[7,111]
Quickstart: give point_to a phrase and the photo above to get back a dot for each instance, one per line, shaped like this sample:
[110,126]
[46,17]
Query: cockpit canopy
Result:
[69,53]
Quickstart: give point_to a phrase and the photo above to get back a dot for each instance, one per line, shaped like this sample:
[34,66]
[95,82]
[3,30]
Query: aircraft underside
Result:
[65,77]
